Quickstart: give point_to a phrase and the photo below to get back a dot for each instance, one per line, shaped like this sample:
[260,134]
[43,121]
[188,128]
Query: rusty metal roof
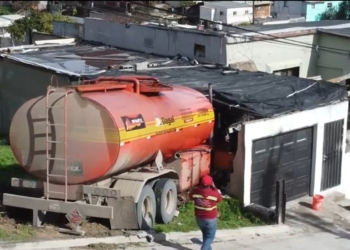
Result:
[79,60]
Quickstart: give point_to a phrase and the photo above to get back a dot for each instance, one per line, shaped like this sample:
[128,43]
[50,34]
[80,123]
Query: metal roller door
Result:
[286,156]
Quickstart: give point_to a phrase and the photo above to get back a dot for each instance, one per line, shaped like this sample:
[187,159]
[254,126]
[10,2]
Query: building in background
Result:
[5,37]
[262,9]
[227,12]
[308,9]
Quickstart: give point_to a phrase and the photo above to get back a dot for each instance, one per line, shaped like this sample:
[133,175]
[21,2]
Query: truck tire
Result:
[166,197]
[146,208]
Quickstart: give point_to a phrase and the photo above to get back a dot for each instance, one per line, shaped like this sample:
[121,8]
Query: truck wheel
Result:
[146,208]
[166,197]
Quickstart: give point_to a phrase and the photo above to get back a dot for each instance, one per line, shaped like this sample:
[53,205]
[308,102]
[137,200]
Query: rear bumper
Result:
[56,206]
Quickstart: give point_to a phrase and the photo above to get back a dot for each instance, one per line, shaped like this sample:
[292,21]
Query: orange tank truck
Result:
[113,134]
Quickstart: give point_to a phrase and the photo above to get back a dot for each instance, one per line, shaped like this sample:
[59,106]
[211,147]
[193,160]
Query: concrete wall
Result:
[39,36]
[14,89]
[313,10]
[270,56]
[317,118]
[74,30]
[156,40]
[285,8]
[333,64]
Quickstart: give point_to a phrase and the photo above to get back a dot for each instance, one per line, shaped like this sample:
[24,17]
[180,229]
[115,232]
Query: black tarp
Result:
[262,94]
[268,95]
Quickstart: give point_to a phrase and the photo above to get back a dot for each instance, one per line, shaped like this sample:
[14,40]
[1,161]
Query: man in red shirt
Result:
[206,197]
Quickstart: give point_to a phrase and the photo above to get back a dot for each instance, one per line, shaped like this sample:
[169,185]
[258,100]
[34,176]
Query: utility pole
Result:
[253,12]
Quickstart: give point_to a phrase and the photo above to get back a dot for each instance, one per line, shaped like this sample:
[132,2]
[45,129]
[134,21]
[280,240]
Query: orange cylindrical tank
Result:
[108,132]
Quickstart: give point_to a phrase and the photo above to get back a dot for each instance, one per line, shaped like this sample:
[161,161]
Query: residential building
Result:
[308,9]
[5,37]
[268,48]
[227,12]
[262,9]
[269,144]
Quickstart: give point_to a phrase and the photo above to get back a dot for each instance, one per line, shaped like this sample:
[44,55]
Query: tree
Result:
[40,21]
[340,12]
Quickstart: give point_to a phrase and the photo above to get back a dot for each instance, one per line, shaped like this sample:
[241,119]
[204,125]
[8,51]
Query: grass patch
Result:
[9,166]
[19,233]
[11,231]
[6,11]
[231,217]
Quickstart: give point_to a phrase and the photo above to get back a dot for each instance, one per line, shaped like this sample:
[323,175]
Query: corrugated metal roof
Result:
[7,20]
[79,60]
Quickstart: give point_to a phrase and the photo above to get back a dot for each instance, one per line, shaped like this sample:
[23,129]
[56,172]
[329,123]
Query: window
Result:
[312,6]
[199,50]
[285,4]
[288,72]
[329,5]
[347,84]
[235,13]
[247,12]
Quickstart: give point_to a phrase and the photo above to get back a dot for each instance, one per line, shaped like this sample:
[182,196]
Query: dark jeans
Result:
[208,228]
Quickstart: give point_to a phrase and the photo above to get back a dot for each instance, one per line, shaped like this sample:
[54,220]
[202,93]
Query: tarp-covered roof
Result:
[265,95]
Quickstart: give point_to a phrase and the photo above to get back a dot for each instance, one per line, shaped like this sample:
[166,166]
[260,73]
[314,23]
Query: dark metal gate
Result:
[332,154]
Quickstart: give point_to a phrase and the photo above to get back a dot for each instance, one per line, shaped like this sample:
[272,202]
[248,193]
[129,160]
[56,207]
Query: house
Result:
[292,48]
[280,127]
[262,9]
[5,37]
[308,9]
[227,12]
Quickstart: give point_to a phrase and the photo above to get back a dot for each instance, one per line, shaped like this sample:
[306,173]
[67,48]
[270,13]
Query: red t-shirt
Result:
[205,202]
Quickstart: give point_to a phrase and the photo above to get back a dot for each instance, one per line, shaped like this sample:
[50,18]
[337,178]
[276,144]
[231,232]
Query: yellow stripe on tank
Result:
[110,135]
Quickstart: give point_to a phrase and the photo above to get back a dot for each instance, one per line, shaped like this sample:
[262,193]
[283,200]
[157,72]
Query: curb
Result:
[183,238]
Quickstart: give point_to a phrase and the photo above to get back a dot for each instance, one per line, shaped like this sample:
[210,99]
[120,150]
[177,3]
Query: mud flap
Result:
[124,213]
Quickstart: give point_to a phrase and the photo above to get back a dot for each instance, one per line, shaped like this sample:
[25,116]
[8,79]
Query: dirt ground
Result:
[15,224]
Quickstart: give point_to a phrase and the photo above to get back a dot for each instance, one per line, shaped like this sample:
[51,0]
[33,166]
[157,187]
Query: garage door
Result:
[286,156]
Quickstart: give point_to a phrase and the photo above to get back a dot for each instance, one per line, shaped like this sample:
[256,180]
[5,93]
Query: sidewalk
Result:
[175,238]
[319,241]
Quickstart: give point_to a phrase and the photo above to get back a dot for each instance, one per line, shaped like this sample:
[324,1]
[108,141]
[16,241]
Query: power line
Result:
[293,42]
[247,30]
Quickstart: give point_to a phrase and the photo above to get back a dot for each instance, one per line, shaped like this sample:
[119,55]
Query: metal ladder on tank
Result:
[51,91]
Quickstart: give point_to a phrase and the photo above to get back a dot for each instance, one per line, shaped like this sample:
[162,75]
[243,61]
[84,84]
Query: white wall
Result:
[317,117]
[240,17]
[230,15]
[270,56]
[156,40]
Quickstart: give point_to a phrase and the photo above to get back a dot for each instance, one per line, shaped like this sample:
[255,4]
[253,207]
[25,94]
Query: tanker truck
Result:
[119,148]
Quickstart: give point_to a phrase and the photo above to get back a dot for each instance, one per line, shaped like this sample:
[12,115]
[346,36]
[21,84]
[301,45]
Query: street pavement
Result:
[319,241]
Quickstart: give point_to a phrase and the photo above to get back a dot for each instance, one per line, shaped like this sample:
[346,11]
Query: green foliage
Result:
[231,216]
[6,11]
[245,24]
[186,3]
[40,21]
[341,12]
